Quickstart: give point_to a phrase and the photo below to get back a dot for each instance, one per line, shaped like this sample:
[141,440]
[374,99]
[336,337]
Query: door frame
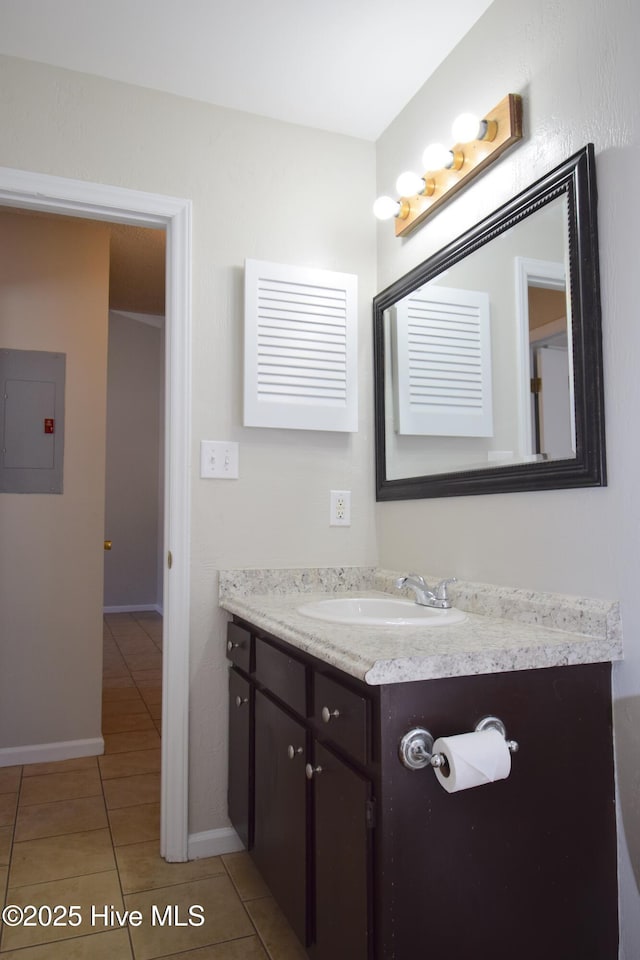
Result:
[95,201]
[551,275]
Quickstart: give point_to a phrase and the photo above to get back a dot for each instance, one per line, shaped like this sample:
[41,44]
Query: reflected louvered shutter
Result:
[300,348]
[442,359]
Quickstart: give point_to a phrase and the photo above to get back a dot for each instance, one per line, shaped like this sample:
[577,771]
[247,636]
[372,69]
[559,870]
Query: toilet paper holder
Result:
[416,747]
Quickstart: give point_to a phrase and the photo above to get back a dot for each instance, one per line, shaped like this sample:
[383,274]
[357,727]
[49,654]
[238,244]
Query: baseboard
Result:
[213,843]
[134,608]
[49,752]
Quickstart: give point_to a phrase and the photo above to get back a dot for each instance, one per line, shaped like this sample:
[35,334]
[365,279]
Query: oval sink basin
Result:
[380,612]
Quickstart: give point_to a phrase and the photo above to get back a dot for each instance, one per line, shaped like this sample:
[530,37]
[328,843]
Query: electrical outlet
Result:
[340,508]
[219,459]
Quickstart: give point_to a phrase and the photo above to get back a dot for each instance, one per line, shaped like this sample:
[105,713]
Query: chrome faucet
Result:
[424,595]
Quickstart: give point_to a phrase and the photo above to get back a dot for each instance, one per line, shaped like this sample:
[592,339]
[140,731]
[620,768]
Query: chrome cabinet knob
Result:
[231,645]
[292,751]
[311,771]
[327,714]
[241,700]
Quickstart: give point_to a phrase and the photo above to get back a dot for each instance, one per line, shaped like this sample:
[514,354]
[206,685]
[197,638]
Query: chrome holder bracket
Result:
[416,748]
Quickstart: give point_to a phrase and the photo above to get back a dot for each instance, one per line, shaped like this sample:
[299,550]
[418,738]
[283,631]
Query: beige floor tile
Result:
[138,643]
[247,948]
[148,661]
[126,764]
[6,836]
[224,917]
[61,817]
[10,779]
[150,693]
[115,683]
[149,687]
[142,868]
[60,766]
[141,676]
[126,723]
[83,892]
[245,876]
[53,858]
[60,786]
[111,670]
[115,708]
[128,791]
[8,806]
[134,740]
[274,931]
[111,694]
[134,824]
[112,945]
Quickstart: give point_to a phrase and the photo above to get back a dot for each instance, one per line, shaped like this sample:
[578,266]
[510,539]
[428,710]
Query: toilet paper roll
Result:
[472,760]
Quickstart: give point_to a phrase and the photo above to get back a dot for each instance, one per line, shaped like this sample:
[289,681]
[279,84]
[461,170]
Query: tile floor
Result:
[86,833]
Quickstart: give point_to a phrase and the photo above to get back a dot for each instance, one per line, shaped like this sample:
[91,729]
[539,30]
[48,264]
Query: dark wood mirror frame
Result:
[575,179]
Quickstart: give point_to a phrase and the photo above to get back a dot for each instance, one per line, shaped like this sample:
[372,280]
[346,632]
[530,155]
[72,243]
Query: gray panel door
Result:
[31,421]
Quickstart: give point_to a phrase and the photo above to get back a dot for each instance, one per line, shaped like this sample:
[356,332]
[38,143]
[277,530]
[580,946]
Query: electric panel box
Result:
[31,421]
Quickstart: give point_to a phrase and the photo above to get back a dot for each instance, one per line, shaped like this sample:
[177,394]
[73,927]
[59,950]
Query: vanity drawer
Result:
[342,717]
[283,675]
[239,646]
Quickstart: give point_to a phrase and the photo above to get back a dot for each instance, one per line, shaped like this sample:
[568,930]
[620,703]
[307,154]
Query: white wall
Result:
[132,503]
[54,288]
[260,189]
[576,66]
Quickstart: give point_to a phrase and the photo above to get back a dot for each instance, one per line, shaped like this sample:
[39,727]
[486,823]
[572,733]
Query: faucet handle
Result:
[414,578]
[441,590]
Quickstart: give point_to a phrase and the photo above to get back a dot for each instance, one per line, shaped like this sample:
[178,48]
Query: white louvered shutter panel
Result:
[300,350]
[443,363]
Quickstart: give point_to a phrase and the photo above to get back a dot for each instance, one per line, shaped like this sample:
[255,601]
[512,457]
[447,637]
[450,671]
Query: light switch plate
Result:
[219,459]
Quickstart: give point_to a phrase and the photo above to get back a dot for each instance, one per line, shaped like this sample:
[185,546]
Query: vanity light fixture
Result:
[479,142]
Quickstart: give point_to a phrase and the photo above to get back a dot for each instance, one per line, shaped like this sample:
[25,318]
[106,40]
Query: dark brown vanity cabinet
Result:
[342,822]
[310,798]
[372,861]
[280,835]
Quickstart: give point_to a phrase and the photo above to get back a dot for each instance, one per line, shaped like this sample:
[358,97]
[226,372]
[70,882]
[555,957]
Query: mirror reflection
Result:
[478,367]
[488,356]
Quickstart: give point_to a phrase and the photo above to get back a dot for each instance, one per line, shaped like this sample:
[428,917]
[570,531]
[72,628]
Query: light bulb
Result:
[436,156]
[409,183]
[386,207]
[468,127]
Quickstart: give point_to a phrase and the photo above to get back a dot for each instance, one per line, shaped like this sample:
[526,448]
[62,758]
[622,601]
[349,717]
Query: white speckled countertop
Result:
[506,629]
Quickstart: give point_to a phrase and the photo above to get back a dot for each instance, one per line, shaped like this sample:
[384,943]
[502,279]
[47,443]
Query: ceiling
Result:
[347,66]
[355,63]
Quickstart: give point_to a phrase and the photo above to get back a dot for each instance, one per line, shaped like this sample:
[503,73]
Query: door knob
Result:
[293,751]
[108,544]
[311,771]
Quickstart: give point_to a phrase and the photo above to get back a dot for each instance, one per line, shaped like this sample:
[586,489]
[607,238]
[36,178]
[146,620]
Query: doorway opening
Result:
[39,192]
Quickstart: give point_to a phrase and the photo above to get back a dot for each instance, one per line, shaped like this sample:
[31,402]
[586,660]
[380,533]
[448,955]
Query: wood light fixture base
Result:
[505,120]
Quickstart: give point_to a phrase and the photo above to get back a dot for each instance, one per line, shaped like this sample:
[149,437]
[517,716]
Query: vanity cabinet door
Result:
[342,839]
[280,839]
[240,789]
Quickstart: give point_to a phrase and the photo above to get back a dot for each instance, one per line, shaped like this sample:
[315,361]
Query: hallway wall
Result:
[134,422]
[54,285]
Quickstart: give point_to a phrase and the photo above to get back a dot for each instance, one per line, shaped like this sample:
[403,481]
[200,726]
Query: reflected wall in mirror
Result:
[488,370]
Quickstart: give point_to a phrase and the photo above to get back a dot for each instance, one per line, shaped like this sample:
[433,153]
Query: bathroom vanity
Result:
[370,860]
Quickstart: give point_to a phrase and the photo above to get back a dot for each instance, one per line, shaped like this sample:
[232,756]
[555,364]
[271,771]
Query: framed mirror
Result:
[488,356]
